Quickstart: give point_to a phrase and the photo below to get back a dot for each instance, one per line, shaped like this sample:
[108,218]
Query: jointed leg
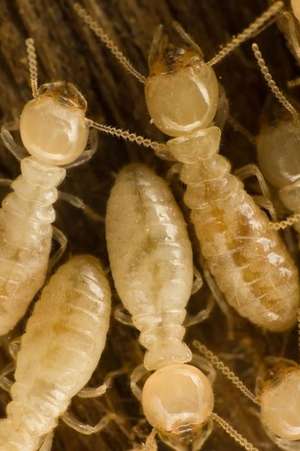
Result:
[78,203]
[137,374]
[62,241]
[89,152]
[122,316]
[94,392]
[6,383]
[17,151]
[86,429]
[47,442]
[202,315]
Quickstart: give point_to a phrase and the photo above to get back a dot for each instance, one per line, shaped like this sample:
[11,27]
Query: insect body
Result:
[151,262]
[59,351]
[248,260]
[54,132]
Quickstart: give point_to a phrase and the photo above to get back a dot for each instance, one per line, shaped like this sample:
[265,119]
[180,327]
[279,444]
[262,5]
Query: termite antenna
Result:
[227,372]
[32,65]
[285,223]
[108,42]
[251,31]
[272,84]
[127,136]
[233,433]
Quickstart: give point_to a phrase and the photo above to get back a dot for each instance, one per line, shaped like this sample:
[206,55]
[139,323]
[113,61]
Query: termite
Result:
[278,149]
[277,396]
[151,263]
[59,351]
[54,132]
[248,259]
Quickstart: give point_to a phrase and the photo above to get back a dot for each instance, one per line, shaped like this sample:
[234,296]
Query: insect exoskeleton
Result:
[295,4]
[54,132]
[178,402]
[278,389]
[151,260]
[59,351]
[248,260]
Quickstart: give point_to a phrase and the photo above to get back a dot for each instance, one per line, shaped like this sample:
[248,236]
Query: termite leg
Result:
[204,365]
[198,281]
[150,443]
[17,151]
[88,153]
[94,392]
[137,374]
[14,347]
[202,315]
[86,429]
[62,241]
[121,315]
[76,202]
[218,296]
[5,382]
[47,442]
[5,182]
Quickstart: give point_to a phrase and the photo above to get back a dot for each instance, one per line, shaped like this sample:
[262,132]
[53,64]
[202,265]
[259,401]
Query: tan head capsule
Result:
[178,401]
[53,125]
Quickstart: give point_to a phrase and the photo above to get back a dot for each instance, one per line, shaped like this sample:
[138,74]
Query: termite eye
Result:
[176,399]
[278,153]
[184,100]
[53,126]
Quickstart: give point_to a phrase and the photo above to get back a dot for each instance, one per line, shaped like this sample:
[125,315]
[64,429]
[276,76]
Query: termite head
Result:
[278,152]
[178,401]
[53,126]
[181,90]
[279,394]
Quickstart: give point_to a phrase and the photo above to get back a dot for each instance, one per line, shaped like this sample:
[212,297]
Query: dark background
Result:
[67,50]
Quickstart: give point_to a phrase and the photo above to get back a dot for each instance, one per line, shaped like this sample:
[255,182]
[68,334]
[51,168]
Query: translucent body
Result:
[64,339]
[151,261]
[279,160]
[25,236]
[248,261]
[54,132]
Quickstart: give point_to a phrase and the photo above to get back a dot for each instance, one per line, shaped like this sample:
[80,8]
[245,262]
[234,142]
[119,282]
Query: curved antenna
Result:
[254,28]
[128,136]
[233,433]
[32,65]
[108,42]
[272,84]
[228,373]
[285,223]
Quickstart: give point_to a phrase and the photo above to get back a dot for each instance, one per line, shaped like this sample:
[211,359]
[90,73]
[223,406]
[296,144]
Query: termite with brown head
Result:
[247,258]
[54,132]
[63,342]
[277,395]
[151,262]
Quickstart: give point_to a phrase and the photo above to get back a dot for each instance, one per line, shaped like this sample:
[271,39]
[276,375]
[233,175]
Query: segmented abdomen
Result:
[25,238]
[249,261]
[151,257]
[62,345]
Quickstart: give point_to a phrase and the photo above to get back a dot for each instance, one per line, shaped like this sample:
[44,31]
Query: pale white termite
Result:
[54,132]
[247,258]
[277,395]
[278,149]
[151,262]
[59,351]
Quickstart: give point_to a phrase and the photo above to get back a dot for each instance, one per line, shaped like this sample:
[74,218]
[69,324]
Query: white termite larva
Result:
[151,262]
[248,259]
[59,351]
[54,131]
